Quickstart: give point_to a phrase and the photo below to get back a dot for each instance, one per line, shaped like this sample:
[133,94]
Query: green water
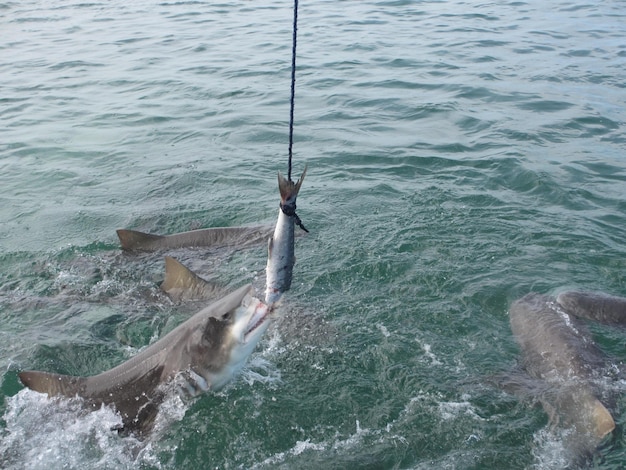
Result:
[460,155]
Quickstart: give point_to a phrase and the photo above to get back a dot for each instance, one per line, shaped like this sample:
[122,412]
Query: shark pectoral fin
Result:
[182,283]
[602,419]
[53,384]
[133,240]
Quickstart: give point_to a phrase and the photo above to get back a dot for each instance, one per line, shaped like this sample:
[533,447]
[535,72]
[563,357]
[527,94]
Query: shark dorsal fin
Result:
[182,283]
[133,240]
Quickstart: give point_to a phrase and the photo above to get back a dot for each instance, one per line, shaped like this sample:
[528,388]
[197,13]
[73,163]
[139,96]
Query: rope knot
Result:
[290,211]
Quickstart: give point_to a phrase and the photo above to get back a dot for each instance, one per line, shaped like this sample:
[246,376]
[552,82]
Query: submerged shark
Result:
[597,306]
[132,240]
[200,354]
[558,353]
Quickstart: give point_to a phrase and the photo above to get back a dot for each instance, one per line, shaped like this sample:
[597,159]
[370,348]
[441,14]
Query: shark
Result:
[566,365]
[217,237]
[204,352]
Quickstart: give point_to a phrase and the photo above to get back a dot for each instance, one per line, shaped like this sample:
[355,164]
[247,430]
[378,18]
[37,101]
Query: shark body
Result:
[202,353]
[240,237]
[567,366]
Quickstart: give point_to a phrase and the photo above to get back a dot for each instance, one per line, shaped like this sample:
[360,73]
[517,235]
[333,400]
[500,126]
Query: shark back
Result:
[554,345]
[208,237]
[558,349]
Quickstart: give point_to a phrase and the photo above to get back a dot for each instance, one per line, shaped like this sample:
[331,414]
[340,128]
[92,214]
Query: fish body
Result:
[202,353]
[558,351]
[132,240]
[281,257]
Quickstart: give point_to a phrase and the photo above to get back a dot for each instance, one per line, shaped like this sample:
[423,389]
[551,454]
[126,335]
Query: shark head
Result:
[229,339]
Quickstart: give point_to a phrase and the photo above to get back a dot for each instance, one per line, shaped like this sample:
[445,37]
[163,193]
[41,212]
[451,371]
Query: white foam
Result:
[428,353]
[548,451]
[383,329]
[259,369]
[451,410]
[43,433]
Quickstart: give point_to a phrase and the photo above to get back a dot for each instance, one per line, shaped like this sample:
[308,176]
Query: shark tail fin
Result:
[602,419]
[53,384]
[133,240]
[182,283]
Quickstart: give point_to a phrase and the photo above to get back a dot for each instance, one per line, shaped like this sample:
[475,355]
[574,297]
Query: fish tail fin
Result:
[133,240]
[288,189]
[53,384]
[602,419]
[181,282]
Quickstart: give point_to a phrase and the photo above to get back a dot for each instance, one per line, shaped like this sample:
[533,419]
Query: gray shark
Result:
[240,237]
[200,354]
[557,351]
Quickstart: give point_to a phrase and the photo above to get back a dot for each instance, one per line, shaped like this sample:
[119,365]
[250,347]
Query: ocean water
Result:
[460,155]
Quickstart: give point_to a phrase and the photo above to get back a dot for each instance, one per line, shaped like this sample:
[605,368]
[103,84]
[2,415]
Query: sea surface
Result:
[460,155]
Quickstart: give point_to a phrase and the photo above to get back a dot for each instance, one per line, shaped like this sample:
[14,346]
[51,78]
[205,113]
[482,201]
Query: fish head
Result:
[248,322]
[230,338]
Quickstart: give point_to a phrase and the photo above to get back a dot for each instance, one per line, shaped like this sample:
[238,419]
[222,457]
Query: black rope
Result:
[293,83]
[290,210]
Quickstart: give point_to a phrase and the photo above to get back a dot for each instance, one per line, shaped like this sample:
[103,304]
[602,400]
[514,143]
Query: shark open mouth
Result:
[261,313]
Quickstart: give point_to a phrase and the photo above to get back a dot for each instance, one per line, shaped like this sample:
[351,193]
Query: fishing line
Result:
[293,83]
[290,210]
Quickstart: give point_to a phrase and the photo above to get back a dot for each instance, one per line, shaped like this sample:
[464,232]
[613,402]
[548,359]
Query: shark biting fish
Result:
[201,354]
[559,354]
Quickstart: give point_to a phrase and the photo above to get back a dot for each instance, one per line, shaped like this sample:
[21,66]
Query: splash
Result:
[42,433]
